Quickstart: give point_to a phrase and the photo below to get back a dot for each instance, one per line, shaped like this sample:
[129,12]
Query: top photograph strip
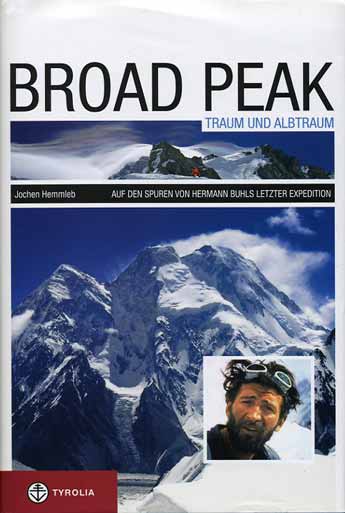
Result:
[156,150]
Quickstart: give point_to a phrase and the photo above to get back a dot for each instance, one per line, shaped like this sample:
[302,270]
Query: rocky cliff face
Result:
[281,165]
[67,422]
[70,309]
[138,167]
[165,159]
[325,396]
[157,432]
[62,409]
[111,376]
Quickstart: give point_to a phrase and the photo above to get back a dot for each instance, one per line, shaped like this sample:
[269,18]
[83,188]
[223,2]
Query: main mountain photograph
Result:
[158,150]
[114,310]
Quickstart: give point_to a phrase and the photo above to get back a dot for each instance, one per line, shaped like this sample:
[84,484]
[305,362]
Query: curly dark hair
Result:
[235,374]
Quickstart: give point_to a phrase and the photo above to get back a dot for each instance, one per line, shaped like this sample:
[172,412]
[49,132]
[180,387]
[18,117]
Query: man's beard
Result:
[245,441]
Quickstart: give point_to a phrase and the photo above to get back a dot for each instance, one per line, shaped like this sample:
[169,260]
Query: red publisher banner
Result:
[58,492]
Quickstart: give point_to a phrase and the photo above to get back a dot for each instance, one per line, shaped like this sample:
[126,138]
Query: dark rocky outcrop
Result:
[283,166]
[67,424]
[138,167]
[167,160]
[158,433]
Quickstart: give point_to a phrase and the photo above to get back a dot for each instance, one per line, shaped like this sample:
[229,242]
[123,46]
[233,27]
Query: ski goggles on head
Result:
[279,378]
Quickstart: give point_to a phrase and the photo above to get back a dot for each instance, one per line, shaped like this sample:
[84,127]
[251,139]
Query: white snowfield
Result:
[231,161]
[182,291]
[301,449]
[227,486]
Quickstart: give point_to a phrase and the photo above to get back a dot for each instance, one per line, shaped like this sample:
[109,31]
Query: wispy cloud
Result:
[93,152]
[324,314]
[289,269]
[97,151]
[327,312]
[290,219]
[86,140]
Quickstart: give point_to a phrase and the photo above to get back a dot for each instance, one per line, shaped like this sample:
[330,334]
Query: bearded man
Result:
[259,396]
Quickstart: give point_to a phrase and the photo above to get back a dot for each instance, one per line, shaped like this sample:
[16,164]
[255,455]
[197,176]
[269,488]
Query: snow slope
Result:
[229,486]
[232,162]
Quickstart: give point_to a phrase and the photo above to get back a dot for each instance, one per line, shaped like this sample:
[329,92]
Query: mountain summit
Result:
[166,159]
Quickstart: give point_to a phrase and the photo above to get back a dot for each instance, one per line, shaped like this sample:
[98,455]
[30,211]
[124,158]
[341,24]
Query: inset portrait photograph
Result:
[258,408]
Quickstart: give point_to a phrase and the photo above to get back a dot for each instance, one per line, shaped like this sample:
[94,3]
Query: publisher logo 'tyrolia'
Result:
[38,493]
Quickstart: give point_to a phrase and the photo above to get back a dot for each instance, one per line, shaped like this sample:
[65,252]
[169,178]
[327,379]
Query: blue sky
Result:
[293,247]
[314,148]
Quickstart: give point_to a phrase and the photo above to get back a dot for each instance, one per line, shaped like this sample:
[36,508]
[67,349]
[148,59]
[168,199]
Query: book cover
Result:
[172,257]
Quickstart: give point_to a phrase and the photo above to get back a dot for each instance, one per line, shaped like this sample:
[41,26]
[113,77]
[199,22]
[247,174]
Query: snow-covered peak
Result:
[67,283]
[241,282]
[69,272]
[151,258]
[214,261]
[62,268]
[70,307]
[216,255]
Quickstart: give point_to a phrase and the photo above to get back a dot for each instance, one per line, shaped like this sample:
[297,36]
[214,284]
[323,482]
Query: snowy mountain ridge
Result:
[214,161]
[228,161]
